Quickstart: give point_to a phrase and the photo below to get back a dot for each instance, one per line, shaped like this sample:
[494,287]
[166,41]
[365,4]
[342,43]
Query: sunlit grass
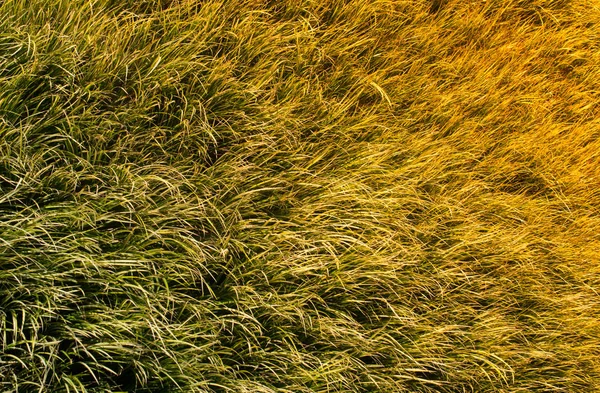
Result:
[299,196]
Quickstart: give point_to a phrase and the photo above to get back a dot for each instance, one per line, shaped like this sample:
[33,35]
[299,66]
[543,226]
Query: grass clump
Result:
[299,196]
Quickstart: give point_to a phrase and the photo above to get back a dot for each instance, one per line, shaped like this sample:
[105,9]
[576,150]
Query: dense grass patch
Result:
[299,196]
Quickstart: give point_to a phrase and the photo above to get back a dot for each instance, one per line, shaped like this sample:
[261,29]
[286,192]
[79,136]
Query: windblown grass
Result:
[299,196]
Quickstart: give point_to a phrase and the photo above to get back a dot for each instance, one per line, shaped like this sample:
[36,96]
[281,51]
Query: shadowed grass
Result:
[299,196]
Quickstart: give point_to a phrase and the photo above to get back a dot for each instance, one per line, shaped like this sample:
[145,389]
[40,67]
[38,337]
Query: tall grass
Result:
[299,196]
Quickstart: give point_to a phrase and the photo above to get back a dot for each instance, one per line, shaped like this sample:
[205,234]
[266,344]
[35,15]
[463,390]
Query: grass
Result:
[299,196]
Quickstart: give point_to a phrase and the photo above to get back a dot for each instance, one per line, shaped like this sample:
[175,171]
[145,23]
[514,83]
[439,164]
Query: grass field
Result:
[299,196]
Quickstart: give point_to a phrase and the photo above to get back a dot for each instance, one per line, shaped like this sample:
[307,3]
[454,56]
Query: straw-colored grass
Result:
[299,196]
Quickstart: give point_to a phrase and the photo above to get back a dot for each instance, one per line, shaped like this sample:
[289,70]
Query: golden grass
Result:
[299,196]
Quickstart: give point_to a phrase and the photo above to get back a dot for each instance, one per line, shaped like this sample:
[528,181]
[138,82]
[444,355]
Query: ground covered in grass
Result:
[299,196]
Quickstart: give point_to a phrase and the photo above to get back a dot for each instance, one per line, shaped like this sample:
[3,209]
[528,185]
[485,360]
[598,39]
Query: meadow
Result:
[298,196]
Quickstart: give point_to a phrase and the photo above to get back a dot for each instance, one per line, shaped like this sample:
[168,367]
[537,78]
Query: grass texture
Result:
[299,196]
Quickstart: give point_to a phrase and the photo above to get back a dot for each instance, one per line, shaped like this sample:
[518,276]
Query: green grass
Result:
[299,196]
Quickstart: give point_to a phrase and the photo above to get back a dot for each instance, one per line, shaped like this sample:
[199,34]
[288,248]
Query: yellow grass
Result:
[300,196]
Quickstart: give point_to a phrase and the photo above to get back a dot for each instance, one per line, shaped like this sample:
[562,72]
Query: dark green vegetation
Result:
[299,196]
